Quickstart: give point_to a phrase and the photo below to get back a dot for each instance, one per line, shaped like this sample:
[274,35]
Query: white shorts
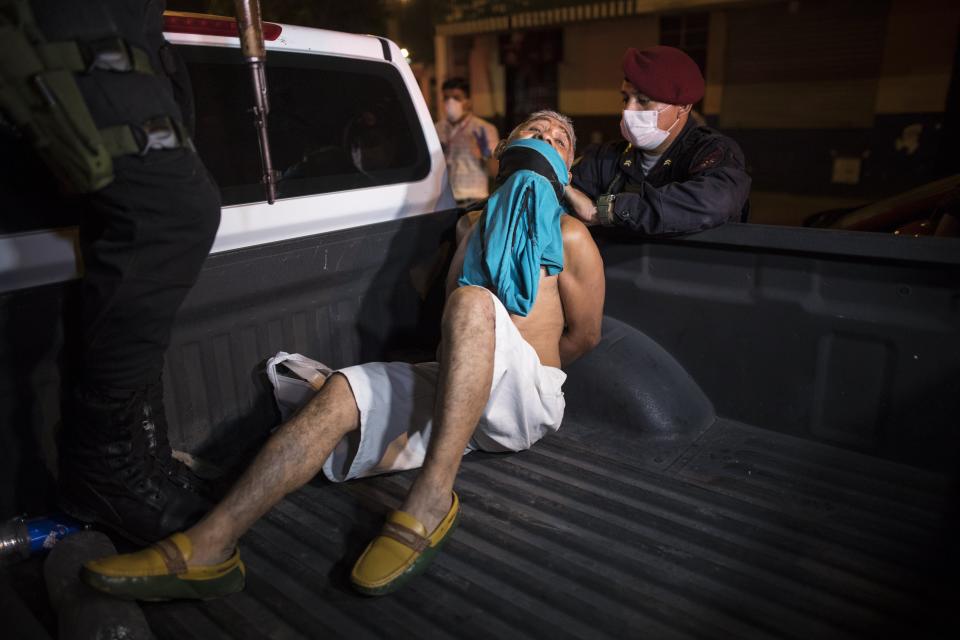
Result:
[396,402]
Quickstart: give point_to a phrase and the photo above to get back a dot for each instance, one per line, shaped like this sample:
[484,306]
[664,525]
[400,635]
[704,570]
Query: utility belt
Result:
[162,132]
[39,96]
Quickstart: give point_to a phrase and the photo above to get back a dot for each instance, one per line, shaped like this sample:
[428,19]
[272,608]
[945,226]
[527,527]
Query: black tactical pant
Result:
[145,236]
[143,241]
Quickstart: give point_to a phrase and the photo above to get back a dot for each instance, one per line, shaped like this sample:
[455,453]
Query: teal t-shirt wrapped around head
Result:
[519,230]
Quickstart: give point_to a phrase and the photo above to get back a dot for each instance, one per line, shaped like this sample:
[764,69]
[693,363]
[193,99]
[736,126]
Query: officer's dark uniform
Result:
[143,240]
[698,183]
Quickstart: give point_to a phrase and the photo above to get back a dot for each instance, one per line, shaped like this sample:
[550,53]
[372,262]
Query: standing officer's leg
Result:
[143,243]
[144,237]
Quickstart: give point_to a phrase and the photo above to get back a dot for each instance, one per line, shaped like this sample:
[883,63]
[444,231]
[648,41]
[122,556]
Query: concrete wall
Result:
[805,65]
[487,77]
[921,38]
[853,91]
[589,76]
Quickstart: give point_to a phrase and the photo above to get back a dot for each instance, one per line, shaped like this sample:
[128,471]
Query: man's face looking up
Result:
[551,132]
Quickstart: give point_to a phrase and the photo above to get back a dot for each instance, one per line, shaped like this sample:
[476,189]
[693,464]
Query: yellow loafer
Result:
[160,572]
[402,550]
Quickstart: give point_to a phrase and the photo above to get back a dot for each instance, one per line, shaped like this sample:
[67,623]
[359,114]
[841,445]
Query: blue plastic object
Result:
[22,537]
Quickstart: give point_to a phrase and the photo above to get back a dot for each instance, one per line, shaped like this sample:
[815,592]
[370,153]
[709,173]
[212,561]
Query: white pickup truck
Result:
[764,445]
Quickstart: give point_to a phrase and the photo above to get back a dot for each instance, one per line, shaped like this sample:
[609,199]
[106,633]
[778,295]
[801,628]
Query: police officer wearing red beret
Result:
[668,175]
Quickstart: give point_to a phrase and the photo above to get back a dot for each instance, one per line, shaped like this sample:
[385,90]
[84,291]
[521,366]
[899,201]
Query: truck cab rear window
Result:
[335,124]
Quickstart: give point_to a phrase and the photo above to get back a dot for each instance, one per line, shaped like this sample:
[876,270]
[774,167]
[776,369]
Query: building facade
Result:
[860,93]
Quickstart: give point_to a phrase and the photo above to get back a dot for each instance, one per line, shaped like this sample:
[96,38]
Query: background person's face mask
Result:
[641,130]
[454,109]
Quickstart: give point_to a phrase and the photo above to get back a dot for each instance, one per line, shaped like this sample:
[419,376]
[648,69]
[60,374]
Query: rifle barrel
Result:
[250,29]
[261,111]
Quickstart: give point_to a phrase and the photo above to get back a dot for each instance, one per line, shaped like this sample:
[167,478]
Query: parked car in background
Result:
[932,209]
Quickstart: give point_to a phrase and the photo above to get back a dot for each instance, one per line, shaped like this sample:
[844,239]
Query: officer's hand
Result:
[580,205]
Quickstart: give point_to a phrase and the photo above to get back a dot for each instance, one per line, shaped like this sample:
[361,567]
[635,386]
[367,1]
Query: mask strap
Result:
[670,128]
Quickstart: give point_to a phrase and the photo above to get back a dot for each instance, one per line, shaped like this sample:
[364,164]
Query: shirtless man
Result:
[496,387]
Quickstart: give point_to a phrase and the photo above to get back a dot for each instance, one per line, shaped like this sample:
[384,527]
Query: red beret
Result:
[664,74]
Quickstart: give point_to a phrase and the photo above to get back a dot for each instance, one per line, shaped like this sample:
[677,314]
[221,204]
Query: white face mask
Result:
[640,128]
[454,109]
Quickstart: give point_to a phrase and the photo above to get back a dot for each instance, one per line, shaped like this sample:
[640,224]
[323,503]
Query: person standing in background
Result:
[468,143]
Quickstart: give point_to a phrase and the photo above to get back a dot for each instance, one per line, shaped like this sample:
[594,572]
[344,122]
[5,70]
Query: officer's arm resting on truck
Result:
[715,192]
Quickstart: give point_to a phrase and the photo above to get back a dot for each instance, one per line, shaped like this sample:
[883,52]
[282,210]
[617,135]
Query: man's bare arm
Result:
[465,223]
[582,290]
[456,265]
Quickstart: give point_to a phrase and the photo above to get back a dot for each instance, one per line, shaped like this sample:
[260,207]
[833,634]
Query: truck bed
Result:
[745,533]
[823,503]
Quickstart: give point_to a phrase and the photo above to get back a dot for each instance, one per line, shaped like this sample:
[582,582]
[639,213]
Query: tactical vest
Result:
[40,98]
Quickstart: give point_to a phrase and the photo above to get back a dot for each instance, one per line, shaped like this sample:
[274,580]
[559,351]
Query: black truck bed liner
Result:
[745,534]
[626,523]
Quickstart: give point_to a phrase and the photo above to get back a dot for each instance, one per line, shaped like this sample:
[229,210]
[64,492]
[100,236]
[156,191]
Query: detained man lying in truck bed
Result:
[525,297]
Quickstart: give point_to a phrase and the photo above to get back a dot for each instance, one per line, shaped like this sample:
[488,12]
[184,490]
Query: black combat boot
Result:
[153,420]
[108,475]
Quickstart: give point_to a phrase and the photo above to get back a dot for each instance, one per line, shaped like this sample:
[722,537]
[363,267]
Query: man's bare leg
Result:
[466,371]
[290,458]
[297,451]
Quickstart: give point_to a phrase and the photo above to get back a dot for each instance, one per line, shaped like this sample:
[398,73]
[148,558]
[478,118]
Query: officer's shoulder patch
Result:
[710,159]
